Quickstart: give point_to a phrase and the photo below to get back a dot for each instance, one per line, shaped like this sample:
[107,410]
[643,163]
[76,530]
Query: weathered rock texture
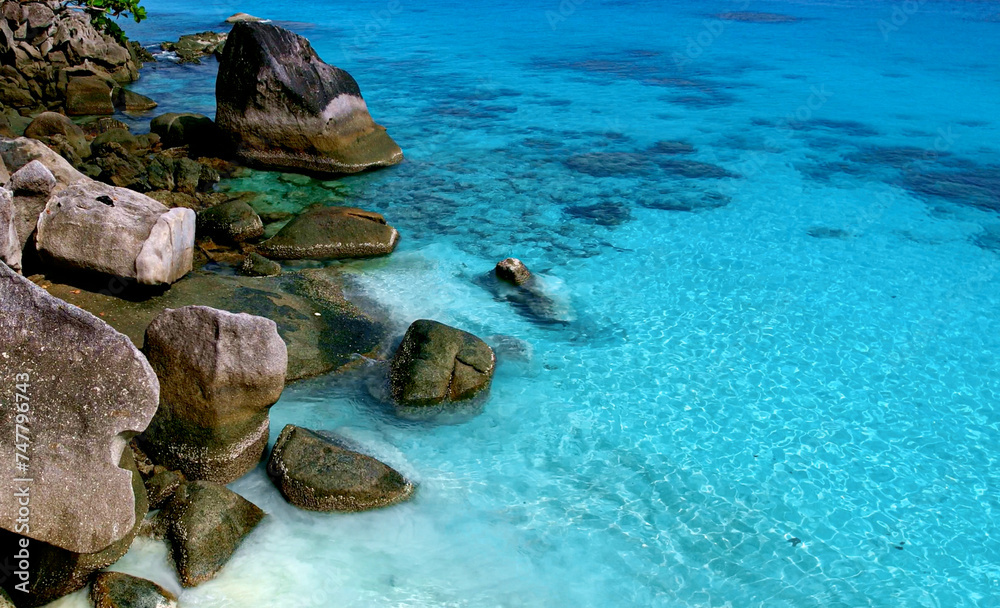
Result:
[53,58]
[331,233]
[120,590]
[232,221]
[285,109]
[513,271]
[10,244]
[87,390]
[315,473]
[436,363]
[206,522]
[18,152]
[33,179]
[95,227]
[219,374]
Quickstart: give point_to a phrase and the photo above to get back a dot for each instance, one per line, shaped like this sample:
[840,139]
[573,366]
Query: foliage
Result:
[103,12]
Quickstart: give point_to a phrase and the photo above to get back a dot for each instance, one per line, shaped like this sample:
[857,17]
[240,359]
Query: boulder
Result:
[190,48]
[90,390]
[205,524]
[96,227]
[219,374]
[232,221]
[317,473]
[513,271]
[436,363]
[4,173]
[120,590]
[196,131]
[287,110]
[327,233]
[132,102]
[256,265]
[5,601]
[10,244]
[33,179]
[18,152]
[56,572]
[48,127]
[88,95]
[161,486]
[119,136]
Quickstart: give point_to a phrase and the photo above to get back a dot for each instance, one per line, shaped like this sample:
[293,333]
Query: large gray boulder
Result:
[120,590]
[18,152]
[95,227]
[86,391]
[316,473]
[285,109]
[60,133]
[10,245]
[205,524]
[436,363]
[219,374]
[327,233]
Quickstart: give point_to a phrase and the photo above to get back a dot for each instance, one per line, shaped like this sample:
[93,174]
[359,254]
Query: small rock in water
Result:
[436,363]
[315,473]
[206,522]
[329,233]
[256,265]
[120,590]
[238,17]
[232,221]
[823,232]
[513,271]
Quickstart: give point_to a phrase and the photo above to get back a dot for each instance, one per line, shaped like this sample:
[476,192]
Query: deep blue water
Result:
[779,383]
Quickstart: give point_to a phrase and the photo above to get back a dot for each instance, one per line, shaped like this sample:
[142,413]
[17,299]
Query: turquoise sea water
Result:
[779,381]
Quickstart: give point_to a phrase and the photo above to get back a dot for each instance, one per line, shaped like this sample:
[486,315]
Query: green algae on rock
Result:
[325,233]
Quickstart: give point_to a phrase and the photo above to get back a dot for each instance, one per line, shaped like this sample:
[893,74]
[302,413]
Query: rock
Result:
[96,227]
[190,48]
[33,179]
[5,601]
[513,271]
[90,390]
[239,17]
[18,152]
[47,125]
[219,374]
[187,175]
[56,572]
[120,590]
[10,244]
[132,102]
[327,233]
[437,363]
[287,110]
[119,167]
[4,174]
[206,523]
[122,137]
[315,473]
[233,221]
[196,131]
[87,95]
[256,265]
[161,486]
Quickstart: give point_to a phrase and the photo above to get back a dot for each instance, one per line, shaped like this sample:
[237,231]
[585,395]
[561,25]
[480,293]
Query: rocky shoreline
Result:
[149,323]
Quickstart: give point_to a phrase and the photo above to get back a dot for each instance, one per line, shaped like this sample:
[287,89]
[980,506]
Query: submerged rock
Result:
[436,363]
[331,233]
[513,271]
[205,524]
[256,265]
[95,227]
[313,472]
[287,110]
[120,590]
[756,17]
[219,374]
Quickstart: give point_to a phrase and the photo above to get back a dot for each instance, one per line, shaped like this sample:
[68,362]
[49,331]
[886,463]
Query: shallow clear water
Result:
[785,397]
